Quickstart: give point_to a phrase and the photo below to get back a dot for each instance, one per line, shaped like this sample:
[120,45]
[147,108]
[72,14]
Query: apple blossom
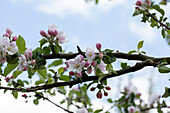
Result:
[101,55]
[52,30]
[61,37]
[9,31]
[131,109]
[82,110]
[90,55]
[43,33]
[14,38]
[101,66]
[28,53]
[86,64]
[79,75]
[11,48]
[22,63]
[76,64]
[98,46]
[6,35]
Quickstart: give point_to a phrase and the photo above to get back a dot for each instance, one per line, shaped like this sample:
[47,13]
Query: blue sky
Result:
[110,23]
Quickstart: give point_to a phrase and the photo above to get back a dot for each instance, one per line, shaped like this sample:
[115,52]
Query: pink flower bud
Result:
[12,77]
[99,95]
[79,75]
[131,109]
[92,89]
[86,64]
[25,69]
[94,64]
[24,95]
[33,62]
[98,46]
[105,94]
[108,88]
[71,73]
[30,54]
[89,70]
[137,8]
[7,79]
[101,55]
[43,33]
[9,31]
[138,3]
[14,38]
[6,35]
[138,94]
[52,32]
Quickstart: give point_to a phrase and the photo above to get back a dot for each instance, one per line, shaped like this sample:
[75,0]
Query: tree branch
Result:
[134,68]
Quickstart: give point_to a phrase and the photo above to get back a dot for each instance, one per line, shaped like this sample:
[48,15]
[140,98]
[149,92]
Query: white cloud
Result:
[143,31]
[62,8]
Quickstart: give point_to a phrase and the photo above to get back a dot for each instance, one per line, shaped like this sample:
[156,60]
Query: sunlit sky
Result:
[110,23]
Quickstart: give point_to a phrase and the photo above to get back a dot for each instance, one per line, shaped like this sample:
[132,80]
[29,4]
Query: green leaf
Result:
[43,73]
[110,100]
[123,65]
[64,77]
[30,72]
[35,101]
[163,33]
[49,81]
[98,111]
[157,7]
[140,45]
[97,1]
[41,81]
[52,70]
[56,63]
[132,51]
[9,68]
[63,101]
[98,71]
[42,42]
[143,52]
[15,94]
[16,73]
[21,44]
[163,69]
[46,50]
[12,59]
[168,31]
[60,70]
[108,51]
[166,93]
[101,77]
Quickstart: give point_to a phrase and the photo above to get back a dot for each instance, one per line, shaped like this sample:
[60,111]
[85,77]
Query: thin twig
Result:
[54,103]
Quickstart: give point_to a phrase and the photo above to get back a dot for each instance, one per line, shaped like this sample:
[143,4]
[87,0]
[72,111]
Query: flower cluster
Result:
[53,34]
[7,45]
[77,65]
[26,60]
[140,4]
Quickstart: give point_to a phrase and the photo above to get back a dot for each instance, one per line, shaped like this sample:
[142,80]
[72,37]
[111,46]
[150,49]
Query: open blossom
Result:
[10,47]
[101,66]
[76,64]
[22,63]
[82,110]
[90,54]
[28,53]
[52,30]
[61,37]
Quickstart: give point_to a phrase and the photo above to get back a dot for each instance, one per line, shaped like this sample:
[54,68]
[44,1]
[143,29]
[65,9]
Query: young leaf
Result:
[163,69]
[166,93]
[43,73]
[163,33]
[64,77]
[9,68]
[140,45]
[157,7]
[133,51]
[101,77]
[15,94]
[42,42]
[21,44]
[55,63]
[110,100]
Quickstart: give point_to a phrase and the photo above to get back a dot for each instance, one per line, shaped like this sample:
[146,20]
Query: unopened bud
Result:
[71,73]
[108,88]
[92,89]
[99,95]
[101,55]
[105,94]
[43,33]
[79,75]
[86,64]
[9,31]
[98,46]
[14,38]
